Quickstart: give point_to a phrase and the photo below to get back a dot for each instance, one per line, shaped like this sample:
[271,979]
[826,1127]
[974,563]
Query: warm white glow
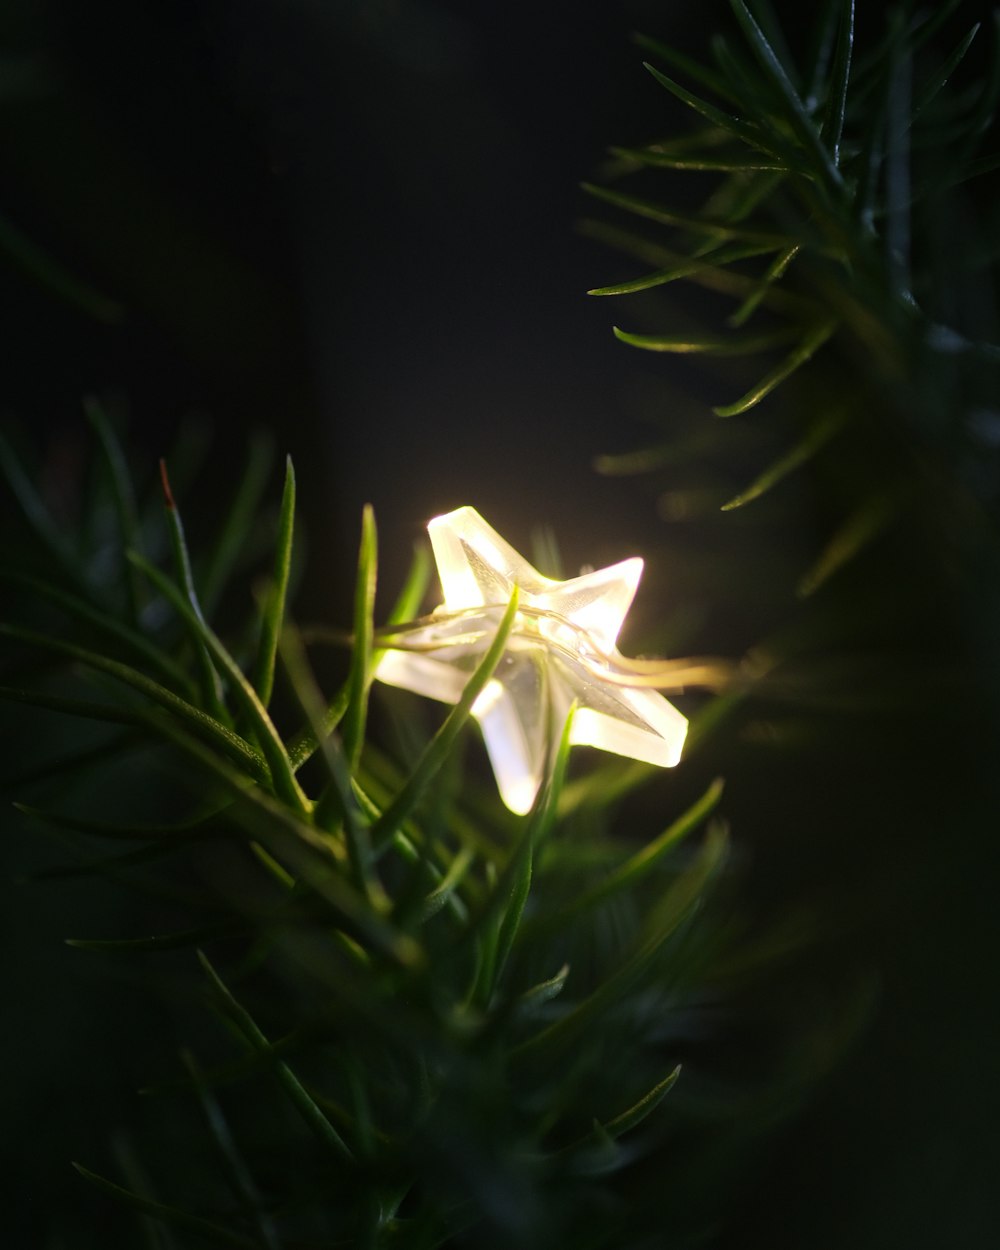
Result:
[488,699]
[563,637]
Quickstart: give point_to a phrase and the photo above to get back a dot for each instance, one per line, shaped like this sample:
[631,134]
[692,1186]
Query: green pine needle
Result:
[195,619]
[273,611]
[360,678]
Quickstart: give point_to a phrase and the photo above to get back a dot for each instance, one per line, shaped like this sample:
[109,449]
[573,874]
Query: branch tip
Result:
[168,495]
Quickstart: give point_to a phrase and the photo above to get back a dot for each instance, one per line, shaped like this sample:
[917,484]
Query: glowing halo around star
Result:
[561,651]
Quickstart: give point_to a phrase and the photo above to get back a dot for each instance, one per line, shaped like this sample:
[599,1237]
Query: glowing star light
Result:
[561,649]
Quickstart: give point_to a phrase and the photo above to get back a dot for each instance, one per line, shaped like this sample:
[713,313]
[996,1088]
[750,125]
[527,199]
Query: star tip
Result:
[520,796]
[633,568]
[463,509]
[168,494]
[446,518]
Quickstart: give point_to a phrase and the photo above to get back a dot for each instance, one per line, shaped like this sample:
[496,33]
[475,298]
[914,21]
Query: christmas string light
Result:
[561,652]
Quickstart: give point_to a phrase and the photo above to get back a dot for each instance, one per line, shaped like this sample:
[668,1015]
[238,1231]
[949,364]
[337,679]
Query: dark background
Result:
[349,223]
[352,225]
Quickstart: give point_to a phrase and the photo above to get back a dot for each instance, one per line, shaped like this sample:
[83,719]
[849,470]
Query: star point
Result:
[562,651]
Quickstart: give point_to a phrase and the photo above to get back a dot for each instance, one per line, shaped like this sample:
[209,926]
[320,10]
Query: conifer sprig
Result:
[395,963]
[840,184]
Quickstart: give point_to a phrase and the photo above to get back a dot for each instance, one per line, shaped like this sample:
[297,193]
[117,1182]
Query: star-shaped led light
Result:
[561,650]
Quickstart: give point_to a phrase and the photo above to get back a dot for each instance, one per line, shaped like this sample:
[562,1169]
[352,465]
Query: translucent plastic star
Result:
[561,650]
